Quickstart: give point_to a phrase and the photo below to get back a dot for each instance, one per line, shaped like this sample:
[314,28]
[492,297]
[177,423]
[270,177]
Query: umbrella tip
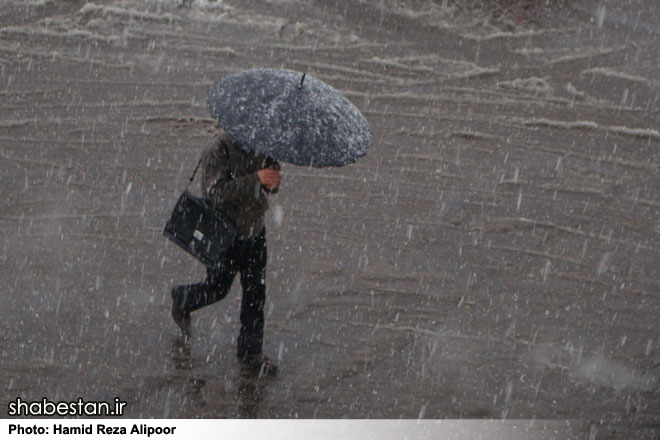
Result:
[301,81]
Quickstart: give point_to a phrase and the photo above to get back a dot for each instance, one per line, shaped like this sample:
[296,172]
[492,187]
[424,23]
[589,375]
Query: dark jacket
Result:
[230,184]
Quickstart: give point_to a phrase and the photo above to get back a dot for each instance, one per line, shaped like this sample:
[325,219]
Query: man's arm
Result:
[217,185]
[270,178]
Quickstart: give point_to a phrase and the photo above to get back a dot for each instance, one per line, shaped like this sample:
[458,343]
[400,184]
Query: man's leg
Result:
[253,281]
[216,285]
[213,288]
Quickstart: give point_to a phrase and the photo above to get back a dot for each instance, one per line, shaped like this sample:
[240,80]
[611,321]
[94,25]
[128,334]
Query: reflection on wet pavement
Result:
[181,354]
[251,389]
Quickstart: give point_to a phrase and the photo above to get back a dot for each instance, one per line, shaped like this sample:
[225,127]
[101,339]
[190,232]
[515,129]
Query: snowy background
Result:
[495,255]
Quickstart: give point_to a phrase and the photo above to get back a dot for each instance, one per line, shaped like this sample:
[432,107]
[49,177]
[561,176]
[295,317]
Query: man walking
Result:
[237,183]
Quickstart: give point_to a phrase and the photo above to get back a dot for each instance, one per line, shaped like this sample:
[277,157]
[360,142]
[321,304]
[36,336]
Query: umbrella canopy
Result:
[290,117]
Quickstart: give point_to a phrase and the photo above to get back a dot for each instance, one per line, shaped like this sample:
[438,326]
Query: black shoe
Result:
[181,318]
[261,362]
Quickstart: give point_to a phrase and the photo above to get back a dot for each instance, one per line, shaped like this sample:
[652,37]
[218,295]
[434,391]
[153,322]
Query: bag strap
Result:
[190,181]
[229,173]
[227,168]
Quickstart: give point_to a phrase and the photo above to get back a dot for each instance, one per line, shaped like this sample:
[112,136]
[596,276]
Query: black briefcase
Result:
[200,230]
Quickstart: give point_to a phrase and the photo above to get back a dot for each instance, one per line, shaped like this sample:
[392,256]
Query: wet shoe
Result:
[260,362]
[181,318]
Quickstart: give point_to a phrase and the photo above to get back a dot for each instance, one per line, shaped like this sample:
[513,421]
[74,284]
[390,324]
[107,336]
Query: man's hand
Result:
[269,177]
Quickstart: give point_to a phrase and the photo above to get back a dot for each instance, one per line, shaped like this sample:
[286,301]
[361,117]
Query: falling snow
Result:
[494,255]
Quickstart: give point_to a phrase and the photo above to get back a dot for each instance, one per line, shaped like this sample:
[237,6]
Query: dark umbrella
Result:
[290,117]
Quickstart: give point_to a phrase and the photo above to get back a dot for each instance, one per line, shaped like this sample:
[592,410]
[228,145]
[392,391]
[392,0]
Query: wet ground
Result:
[494,256]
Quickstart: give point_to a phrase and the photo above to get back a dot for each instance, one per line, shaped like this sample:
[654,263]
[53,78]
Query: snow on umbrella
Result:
[290,117]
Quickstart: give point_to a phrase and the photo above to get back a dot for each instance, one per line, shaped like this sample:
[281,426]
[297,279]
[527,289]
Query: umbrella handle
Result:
[301,81]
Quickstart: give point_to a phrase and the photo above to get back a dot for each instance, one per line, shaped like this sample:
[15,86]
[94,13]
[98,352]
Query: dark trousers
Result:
[247,256]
